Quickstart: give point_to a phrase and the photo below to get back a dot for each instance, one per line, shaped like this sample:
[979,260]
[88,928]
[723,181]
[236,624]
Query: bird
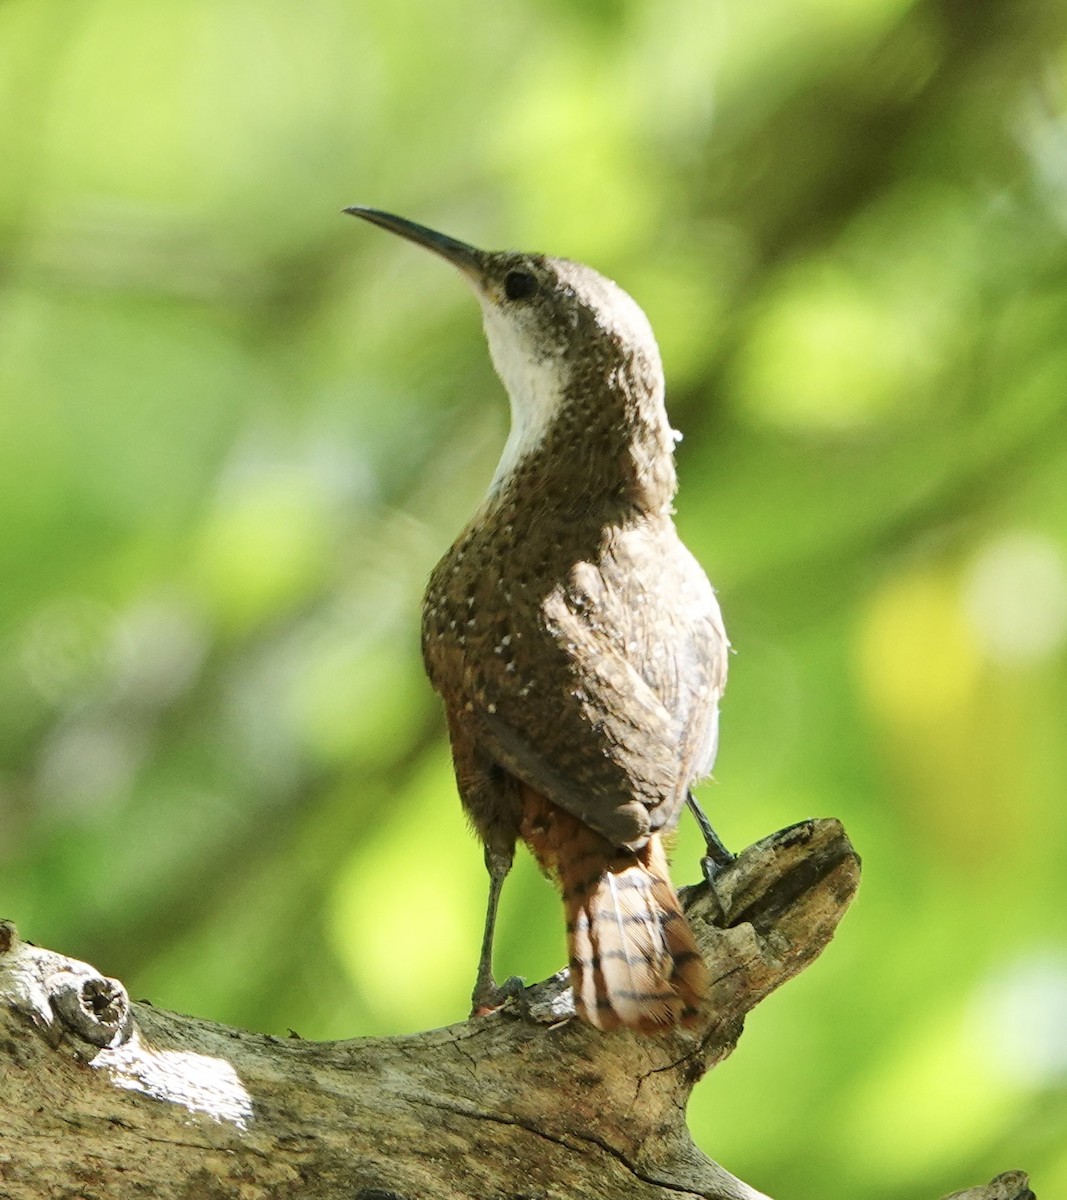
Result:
[577,644]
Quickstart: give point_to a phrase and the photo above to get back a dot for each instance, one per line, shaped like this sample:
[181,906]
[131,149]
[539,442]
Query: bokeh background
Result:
[237,429]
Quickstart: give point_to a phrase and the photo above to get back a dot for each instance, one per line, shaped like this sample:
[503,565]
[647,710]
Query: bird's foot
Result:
[488,996]
[717,858]
[712,867]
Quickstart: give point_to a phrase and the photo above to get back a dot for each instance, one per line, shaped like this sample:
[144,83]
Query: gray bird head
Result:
[552,326]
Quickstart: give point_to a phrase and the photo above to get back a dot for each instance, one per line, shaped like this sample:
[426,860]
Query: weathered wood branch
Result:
[101,1098]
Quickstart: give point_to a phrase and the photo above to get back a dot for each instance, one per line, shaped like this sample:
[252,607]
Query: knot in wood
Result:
[95,1009]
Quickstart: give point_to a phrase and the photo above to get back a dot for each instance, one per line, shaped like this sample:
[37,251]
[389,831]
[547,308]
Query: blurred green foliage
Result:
[237,430]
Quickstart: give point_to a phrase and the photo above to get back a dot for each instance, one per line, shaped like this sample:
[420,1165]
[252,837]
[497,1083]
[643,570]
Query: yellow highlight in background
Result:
[919,659]
[407,910]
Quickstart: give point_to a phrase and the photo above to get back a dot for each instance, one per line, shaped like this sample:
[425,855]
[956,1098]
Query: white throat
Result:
[535,392]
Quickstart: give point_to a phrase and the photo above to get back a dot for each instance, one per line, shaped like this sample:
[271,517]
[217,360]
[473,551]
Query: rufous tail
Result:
[633,959]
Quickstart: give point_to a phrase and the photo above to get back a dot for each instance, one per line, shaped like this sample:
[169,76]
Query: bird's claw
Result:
[712,868]
[490,997]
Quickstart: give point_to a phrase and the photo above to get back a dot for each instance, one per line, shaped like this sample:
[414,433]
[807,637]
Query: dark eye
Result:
[519,285]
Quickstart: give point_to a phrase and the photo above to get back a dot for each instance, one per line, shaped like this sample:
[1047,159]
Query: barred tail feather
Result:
[633,960]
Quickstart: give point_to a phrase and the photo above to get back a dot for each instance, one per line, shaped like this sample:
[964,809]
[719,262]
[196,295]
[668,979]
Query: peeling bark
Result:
[100,1098]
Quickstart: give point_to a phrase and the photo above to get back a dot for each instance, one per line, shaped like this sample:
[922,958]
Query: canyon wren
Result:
[575,641]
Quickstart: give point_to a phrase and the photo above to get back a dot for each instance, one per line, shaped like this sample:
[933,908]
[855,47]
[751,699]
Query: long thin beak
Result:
[467,258]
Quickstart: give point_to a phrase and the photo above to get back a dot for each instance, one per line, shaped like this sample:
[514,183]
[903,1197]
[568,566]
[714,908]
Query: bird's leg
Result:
[717,856]
[487,996]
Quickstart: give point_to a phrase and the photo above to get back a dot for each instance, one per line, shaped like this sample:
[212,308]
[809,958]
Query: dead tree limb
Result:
[100,1098]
